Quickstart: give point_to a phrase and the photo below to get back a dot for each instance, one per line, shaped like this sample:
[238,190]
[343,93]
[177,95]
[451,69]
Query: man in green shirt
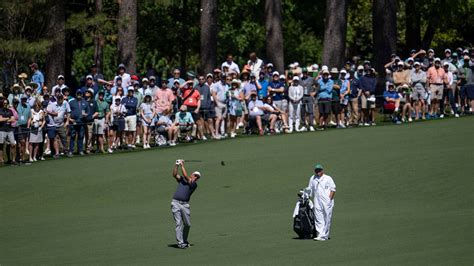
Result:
[101,118]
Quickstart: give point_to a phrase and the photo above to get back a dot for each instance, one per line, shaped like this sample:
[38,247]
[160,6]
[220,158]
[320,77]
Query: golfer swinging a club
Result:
[180,203]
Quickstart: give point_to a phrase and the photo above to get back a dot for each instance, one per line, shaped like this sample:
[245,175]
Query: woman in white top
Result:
[36,124]
[147,114]
[117,123]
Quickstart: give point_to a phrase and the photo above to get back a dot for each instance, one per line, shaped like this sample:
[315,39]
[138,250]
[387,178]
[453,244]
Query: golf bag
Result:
[303,216]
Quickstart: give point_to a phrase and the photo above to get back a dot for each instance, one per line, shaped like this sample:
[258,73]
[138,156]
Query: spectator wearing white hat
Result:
[344,95]
[436,77]
[59,85]
[418,82]
[295,94]
[90,84]
[276,89]
[126,78]
[448,91]
[447,56]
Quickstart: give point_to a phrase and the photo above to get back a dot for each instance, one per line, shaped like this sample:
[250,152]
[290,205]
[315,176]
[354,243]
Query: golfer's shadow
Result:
[176,245]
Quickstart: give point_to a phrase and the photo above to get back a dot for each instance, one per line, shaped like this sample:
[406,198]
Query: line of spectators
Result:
[120,113]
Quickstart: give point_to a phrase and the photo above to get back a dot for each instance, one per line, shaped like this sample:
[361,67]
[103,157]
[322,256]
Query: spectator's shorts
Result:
[185,128]
[282,105]
[418,94]
[145,123]
[99,126]
[131,123]
[469,91]
[436,92]
[207,113]
[324,106]
[221,112]
[7,137]
[21,133]
[195,116]
[163,130]
[51,132]
[366,104]
[119,124]
[245,109]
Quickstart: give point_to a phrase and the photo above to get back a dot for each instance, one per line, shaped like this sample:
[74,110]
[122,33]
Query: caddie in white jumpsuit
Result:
[323,190]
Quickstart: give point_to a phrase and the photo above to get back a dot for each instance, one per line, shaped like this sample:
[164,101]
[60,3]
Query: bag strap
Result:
[189,95]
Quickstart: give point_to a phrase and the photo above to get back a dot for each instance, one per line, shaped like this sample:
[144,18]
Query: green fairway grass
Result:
[404,197]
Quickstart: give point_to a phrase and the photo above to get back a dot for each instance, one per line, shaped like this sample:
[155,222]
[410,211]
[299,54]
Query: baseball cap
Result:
[269,65]
[437,59]
[445,64]
[209,75]
[430,50]
[134,77]
[447,50]
[121,66]
[145,80]
[325,71]
[413,51]
[416,63]
[282,76]
[318,167]
[400,63]
[296,78]
[152,78]
[176,80]
[136,82]
[131,88]
[60,77]
[217,70]
[343,71]
[410,59]
[89,77]
[276,73]
[90,90]
[360,67]
[197,173]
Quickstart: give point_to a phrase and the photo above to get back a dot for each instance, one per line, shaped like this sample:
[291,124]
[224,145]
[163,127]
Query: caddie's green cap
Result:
[318,166]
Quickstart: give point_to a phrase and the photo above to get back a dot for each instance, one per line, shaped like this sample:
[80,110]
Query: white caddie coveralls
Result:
[320,188]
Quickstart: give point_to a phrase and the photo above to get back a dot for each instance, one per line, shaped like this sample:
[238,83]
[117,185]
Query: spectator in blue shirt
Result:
[37,77]
[131,104]
[90,84]
[391,101]
[262,86]
[324,98]
[79,108]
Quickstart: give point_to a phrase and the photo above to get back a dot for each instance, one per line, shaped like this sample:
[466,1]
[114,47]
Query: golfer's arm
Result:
[175,172]
[185,174]
[332,194]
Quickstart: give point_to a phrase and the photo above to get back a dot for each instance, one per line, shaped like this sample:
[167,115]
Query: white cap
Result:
[437,59]
[197,173]
[400,63]
[447,50]
[343,71]
[417,63]
[445,64]
[144,79]
[324,68]
[60,77]
[282,76]
[89,77]
[296,78]
[315,66]
[360,67]
[269,65]
[410,59]
[276,73]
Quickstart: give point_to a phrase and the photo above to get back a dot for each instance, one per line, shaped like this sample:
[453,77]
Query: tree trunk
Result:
[384,25]
[184,36]
[98,40]
[127,34]
[413,25]
[208,35]
[429,33]
[274,35]
[56,58]
[335,33]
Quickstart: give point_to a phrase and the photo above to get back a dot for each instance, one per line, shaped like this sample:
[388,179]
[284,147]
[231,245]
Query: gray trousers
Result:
[182,217]
[307,110]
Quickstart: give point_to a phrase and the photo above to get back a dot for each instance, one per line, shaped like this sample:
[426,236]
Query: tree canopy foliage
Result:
[168,31]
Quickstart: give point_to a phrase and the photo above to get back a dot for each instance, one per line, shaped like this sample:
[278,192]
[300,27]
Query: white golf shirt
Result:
[320,189]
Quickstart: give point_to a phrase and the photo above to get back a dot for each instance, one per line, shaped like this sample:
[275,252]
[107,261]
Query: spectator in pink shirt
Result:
[436,77]
[163,99]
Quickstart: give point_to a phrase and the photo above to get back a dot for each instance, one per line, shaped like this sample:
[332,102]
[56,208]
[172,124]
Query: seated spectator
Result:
[271,108]
[405,91]
[257,115]
[166,127]
[185,122]
[392,102]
